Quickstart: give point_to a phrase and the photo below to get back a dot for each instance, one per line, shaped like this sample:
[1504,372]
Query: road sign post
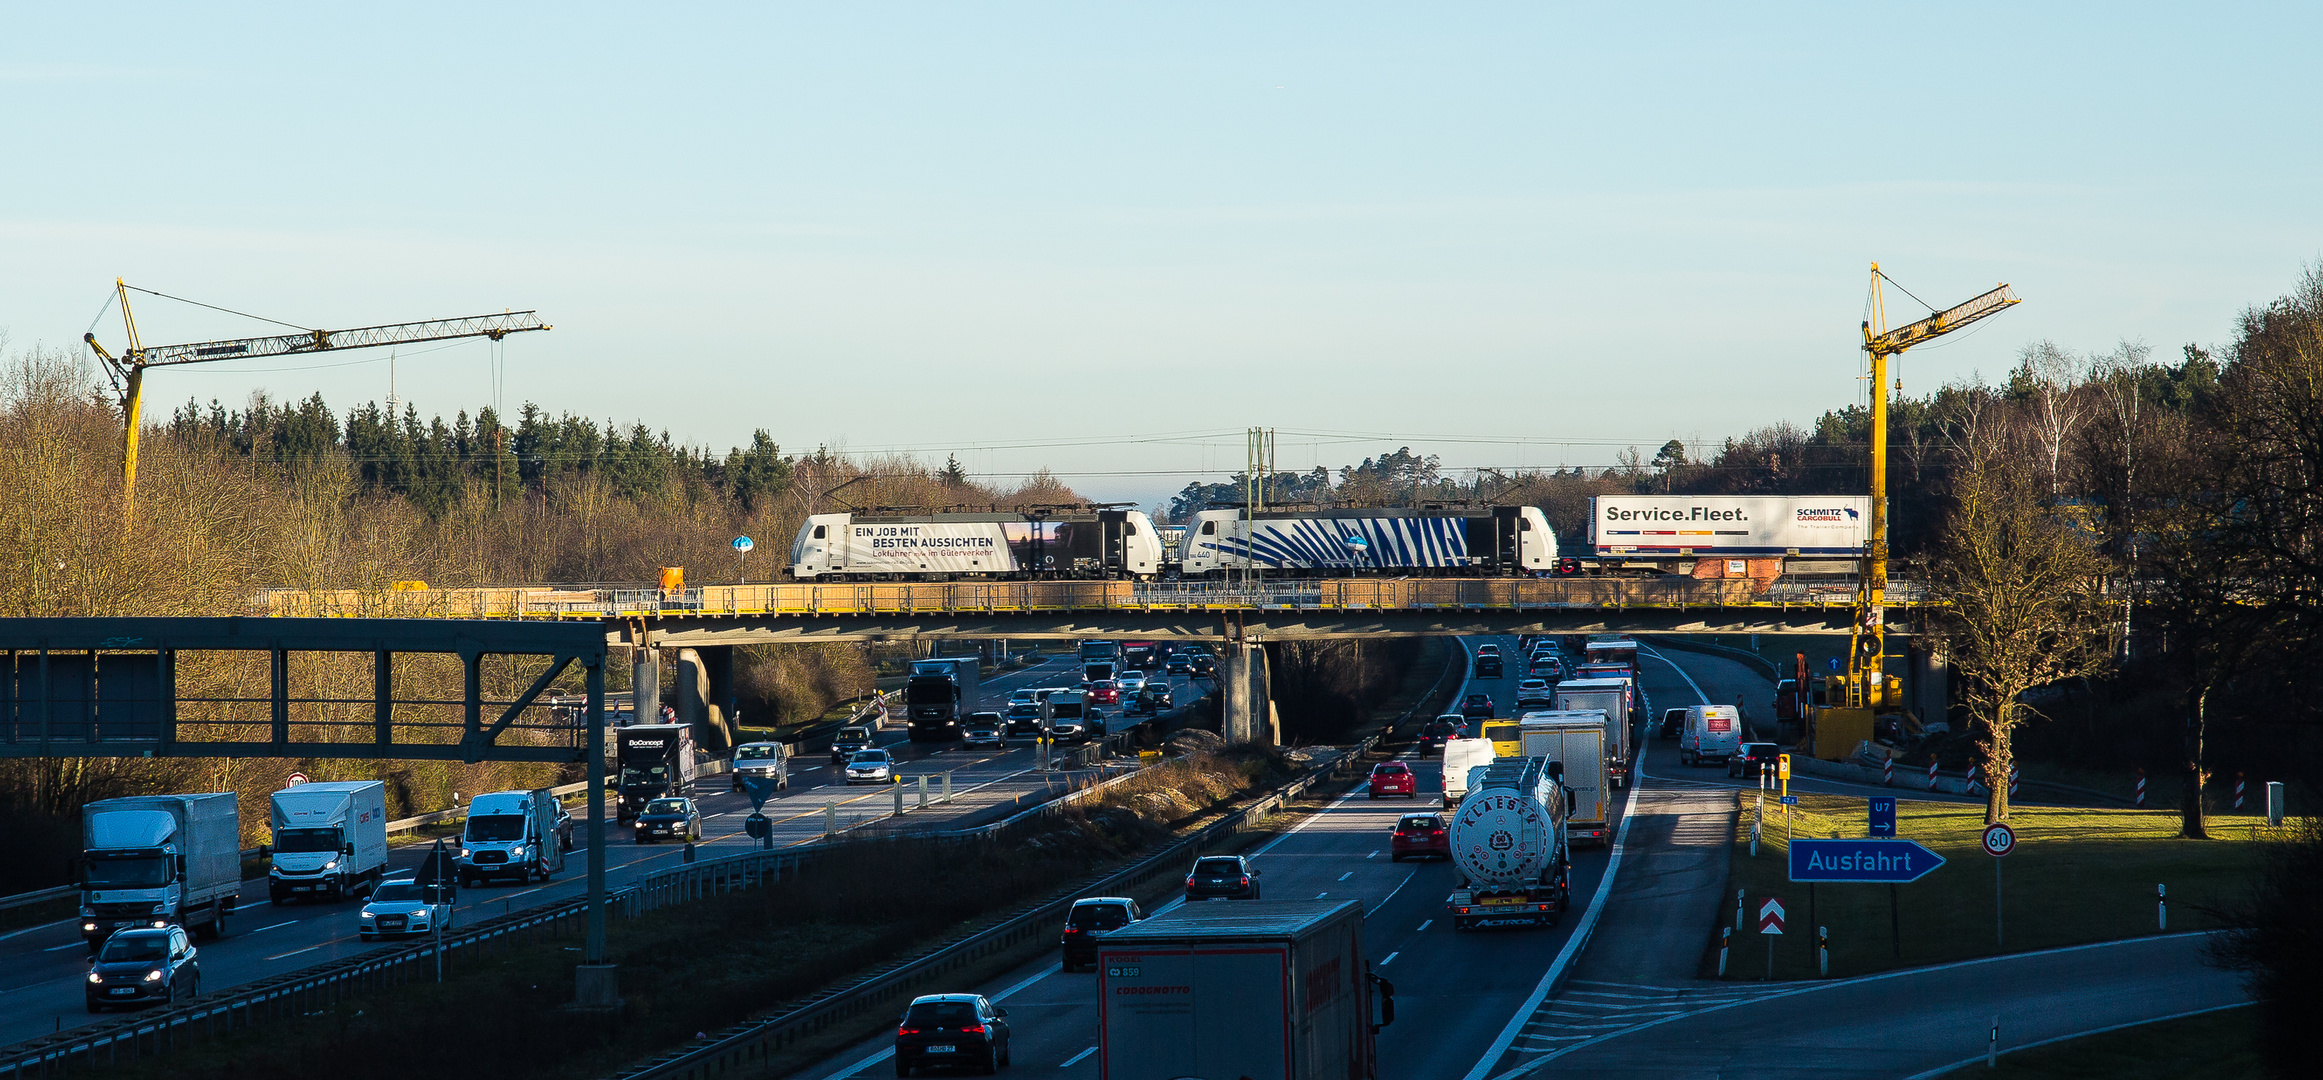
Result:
[1770,927]
[1999,840]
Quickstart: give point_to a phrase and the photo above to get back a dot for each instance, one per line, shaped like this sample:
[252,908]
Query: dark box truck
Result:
[939,695]
[655,760]
[1264,989]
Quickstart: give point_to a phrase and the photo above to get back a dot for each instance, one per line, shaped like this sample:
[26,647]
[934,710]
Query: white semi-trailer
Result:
[1086,544]
[1620,701]
[330,840]
[1265,990]
[1575,740]
[1509,848]
[158,860]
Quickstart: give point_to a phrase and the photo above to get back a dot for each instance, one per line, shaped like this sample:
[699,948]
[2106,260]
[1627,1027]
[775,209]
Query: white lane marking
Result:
[264,929]
[1076,1059]
[1964,1062]
[1347,875]
[1373,855]
[1425,924]
[1390,959]
[295,952]
[67,945]
[1321,895]
[1565,956]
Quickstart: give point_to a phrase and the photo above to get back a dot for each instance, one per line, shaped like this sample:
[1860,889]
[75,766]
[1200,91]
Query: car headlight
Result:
[366,916]
[331,865]
[153,976]
[159,923]
[96,978]
[88,928]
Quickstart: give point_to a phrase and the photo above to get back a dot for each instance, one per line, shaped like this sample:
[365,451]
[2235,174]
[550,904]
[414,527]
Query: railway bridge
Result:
[704,623]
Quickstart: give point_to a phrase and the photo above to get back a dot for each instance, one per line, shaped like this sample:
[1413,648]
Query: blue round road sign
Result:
[743,543]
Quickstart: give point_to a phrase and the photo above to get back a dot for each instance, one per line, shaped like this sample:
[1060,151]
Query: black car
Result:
[669,819]
[1222,877]
[1751,758]
[1441,730]
[1154,699]
[1488,667]
[848,741]
[143,967]
[1024,718]
[1091,916]
[1477,707]
[952,1029]
[1177,665]
[1673,722]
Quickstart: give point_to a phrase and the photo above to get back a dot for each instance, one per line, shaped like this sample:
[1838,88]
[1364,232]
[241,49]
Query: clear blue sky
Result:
[952,226]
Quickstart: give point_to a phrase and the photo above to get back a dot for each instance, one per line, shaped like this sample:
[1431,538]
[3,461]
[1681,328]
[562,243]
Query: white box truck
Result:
[1618,699]
[510,834]
[330,840]
[1575,739]
[1461,757]
[1268,990]
[157,860]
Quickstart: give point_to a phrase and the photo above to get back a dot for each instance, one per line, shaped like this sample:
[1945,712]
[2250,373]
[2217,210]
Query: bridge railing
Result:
[965,597]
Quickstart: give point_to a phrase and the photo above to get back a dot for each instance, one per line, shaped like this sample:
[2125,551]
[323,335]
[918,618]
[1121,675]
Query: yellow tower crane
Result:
[128,369]
[1866,690]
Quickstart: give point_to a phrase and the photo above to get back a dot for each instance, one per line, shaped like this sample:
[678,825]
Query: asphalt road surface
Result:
[41,968]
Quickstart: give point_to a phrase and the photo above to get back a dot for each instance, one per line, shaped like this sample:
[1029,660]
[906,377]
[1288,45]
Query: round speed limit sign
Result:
[1999,840]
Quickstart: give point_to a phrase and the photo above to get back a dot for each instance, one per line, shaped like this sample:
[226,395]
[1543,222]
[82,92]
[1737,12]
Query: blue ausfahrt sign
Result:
[1861,860]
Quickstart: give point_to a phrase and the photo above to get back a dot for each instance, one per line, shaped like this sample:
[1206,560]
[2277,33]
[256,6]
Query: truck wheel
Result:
[218,924]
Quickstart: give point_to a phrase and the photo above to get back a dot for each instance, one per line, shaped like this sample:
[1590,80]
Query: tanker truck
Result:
[1509,847]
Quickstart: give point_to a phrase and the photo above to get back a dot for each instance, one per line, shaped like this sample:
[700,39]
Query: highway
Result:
[41,967]
[1454,991]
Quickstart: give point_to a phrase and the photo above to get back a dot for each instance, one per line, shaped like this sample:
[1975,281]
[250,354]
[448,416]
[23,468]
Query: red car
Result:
[1104,692]
[1394,778]
[1421,835]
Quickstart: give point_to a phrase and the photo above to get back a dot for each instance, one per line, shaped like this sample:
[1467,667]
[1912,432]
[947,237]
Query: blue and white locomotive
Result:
[1482,541]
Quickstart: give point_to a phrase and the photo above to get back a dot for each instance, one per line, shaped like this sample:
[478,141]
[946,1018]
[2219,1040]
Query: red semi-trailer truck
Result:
[1263,989]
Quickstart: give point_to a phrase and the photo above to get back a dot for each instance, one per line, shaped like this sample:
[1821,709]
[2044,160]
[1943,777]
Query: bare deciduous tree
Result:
[2021,600]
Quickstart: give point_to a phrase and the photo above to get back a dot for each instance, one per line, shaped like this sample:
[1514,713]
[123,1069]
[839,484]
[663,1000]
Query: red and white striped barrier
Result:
[2012,781]
[1887,774]
[1931,776]
[2238,791]
[1972,784]
[2141,787]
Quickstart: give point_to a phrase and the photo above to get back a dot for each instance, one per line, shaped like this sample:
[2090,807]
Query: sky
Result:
[1106,239]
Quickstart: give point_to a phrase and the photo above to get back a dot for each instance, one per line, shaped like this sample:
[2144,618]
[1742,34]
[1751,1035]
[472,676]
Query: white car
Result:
[1532,686]
[1025,696]
[871,767]
[1130,683]
[401,907]
[984,729]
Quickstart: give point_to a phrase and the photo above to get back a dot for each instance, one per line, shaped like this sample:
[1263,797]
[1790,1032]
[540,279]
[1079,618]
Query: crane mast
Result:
[1867,689]
[127,370]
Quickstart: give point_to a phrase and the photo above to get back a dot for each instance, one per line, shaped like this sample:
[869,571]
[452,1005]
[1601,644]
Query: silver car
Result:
[871,767]
[1130,683]
[403,907]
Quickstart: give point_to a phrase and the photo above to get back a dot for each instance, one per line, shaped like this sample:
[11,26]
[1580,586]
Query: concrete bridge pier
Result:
[699,705]
[1244,688]
[645,684]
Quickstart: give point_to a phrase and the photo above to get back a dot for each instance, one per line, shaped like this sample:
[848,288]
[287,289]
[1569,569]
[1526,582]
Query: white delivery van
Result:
[1713,734]
[510,834]
[1461,755]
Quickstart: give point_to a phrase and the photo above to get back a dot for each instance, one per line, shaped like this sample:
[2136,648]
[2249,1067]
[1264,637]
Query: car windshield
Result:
[666,806]
[1215,867]
[1100,916]
[132,948]
[754,753]
[940,1014]
[298,840]
[498,827]
[869,757]
[397,891]
[854,734]
[144,872]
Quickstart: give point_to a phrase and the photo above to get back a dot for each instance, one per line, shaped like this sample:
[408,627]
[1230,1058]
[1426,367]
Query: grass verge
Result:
[2076,876]
[2221,1045]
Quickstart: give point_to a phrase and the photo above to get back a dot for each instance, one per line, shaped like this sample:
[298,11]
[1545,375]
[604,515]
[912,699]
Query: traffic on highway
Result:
[305,914]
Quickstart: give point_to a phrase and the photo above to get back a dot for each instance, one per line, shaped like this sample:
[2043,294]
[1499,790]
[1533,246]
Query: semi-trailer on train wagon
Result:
[1076,545]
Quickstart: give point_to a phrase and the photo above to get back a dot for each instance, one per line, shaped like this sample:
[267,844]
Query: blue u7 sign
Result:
[1861,860]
